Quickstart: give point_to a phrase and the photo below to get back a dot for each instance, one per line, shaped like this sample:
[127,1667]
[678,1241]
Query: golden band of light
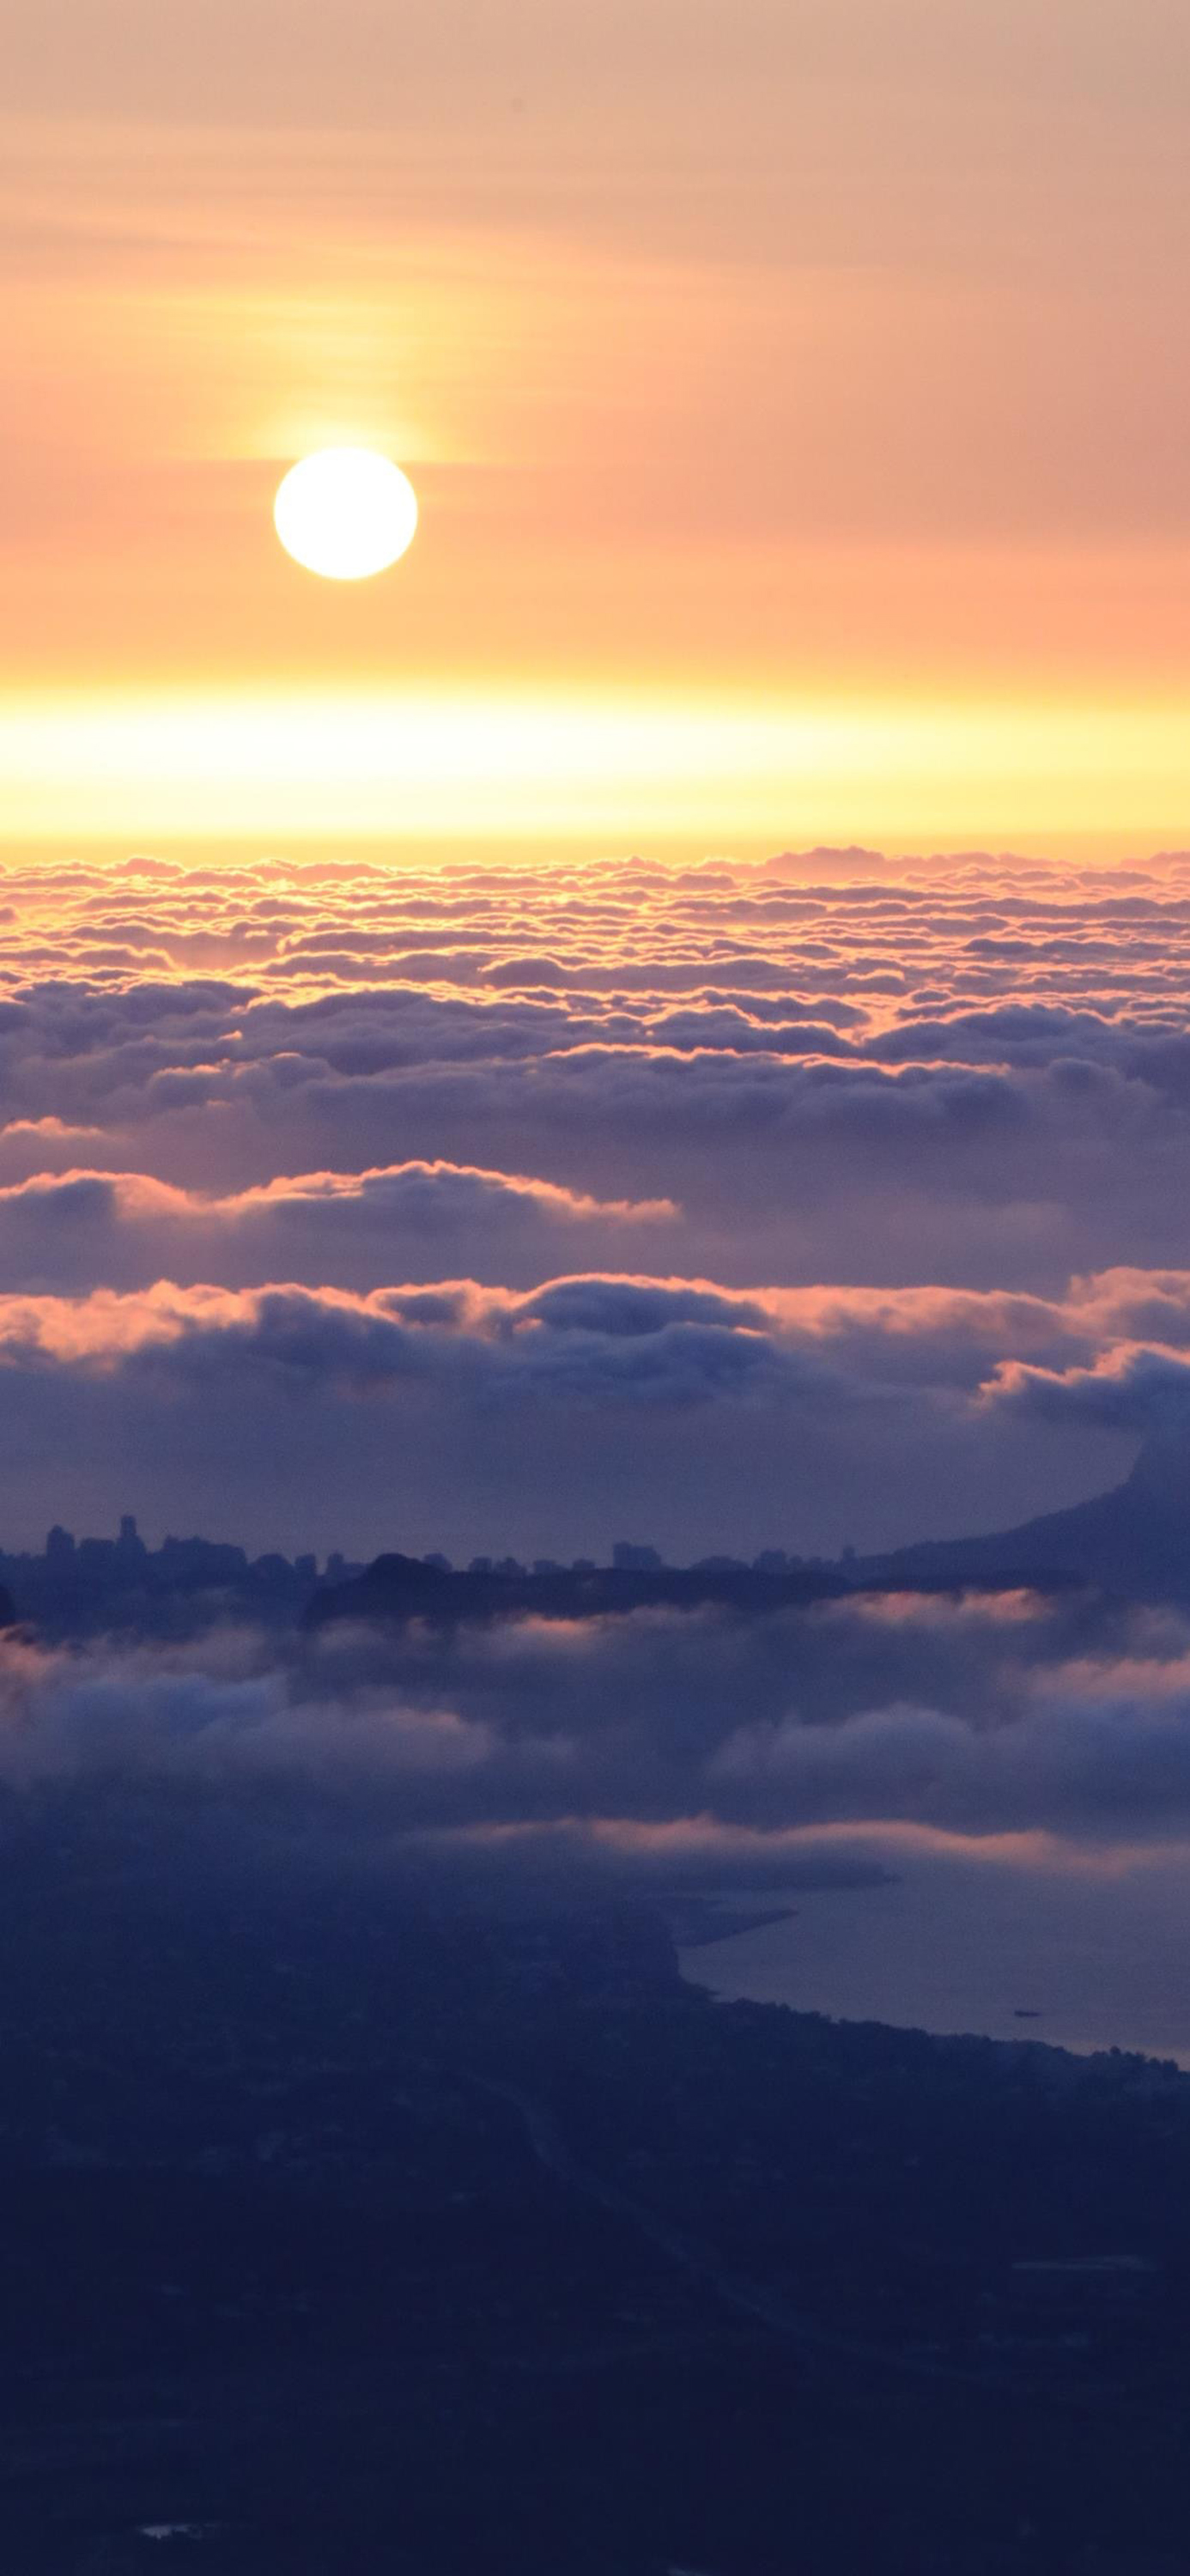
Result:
[374,761]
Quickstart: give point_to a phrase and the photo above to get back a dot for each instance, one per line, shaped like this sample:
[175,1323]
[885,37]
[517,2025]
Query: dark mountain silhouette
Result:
[408,1587]
[1135,1539]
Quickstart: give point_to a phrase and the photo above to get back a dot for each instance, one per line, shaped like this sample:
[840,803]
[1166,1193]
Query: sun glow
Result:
[345,513]
[317,762]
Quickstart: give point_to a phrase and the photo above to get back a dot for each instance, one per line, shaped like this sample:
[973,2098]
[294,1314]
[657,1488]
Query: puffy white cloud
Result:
[80,1228]
[616,1097]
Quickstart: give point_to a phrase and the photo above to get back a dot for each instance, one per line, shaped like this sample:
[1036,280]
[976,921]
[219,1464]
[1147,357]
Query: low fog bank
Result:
[1001,1763]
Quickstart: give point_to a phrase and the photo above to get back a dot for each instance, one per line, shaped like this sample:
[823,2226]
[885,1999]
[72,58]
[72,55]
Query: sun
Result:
[345,513]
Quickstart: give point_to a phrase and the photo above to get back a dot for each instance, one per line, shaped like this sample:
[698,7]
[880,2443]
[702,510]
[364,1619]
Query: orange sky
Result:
[794,390]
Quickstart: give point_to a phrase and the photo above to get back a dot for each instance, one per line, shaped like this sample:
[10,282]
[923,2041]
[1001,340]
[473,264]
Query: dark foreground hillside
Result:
[353,2236]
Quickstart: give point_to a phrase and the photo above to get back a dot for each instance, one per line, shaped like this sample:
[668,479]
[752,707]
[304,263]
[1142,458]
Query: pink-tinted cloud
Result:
[840,1199]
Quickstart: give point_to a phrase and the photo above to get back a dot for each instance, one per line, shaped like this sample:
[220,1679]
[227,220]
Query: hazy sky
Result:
[795,393]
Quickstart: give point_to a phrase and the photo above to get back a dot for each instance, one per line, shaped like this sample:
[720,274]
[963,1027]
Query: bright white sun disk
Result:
[345,513]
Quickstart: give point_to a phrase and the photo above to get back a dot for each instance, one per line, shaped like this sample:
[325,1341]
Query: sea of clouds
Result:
[525,1208]
[830,1200]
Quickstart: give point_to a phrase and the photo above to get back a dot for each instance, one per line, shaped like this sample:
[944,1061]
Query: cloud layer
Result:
[971,1799]
[782,1204]
[979,1715]
[660,1749]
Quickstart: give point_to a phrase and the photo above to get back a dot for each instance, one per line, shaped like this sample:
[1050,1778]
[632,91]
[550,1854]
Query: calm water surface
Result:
[1101,1961]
